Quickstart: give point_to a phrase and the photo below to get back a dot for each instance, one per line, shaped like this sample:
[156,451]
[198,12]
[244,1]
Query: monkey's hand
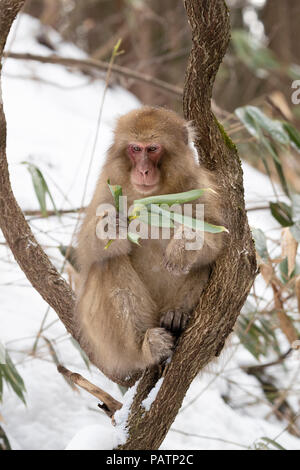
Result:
[112,230]
[178,260]
[193,248]
[174,321]
[111,225]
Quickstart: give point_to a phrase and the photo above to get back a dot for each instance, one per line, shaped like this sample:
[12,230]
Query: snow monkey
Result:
[134,301]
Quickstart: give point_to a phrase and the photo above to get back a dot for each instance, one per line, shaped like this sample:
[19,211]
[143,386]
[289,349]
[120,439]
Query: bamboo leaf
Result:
[293,134]
[116,191]
[41,188]
[252,52]
[260,243]
[154,219]
[282,213]
[170,199]
[13,378]
[4,442]
[274,443]
[133,237]
[188,221]
[256,121]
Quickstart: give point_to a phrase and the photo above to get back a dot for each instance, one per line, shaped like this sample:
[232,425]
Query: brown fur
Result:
[127,291]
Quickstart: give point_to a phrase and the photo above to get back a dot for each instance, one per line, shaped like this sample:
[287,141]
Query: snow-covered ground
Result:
[52,114]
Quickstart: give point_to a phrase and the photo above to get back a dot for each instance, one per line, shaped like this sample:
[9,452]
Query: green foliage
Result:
[260,243]
[271,136]
[10,375]
[253,53]
[256,332]
[264,443]
[41,188]
[228,141]
[4,442]
[170,199]
[145,209]
[116,191]
[282,213]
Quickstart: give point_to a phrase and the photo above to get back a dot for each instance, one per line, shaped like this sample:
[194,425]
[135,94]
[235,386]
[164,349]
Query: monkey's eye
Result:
[136,148]
[152,148]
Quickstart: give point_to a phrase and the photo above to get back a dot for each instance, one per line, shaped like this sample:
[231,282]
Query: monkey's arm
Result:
[180,260]
[94,243]
[198,250]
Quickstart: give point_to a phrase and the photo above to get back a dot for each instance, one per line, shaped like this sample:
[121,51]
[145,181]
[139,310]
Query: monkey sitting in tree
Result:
[134,300]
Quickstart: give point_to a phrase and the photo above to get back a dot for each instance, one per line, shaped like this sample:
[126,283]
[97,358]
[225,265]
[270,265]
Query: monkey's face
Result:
[145,158]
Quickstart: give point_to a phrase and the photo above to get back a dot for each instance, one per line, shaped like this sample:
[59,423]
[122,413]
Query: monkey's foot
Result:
[160,343]
[174,321]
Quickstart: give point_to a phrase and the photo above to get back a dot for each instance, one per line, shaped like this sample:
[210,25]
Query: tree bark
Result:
[233,274]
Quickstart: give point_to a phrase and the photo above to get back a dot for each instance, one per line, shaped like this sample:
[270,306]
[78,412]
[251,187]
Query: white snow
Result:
[152,395]
[121,416]
[95,437]
[52,123]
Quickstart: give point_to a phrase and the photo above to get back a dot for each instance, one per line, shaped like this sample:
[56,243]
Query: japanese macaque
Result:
[134,301]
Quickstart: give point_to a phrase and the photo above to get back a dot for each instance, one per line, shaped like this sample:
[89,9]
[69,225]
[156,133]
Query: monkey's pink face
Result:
[145,174]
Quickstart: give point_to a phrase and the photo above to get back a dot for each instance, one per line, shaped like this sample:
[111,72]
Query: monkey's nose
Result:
[144,172]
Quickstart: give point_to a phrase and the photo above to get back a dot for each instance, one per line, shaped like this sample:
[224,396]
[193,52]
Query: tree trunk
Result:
[233,274]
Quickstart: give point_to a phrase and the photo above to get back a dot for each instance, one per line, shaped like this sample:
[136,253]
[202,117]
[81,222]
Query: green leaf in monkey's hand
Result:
[116,191]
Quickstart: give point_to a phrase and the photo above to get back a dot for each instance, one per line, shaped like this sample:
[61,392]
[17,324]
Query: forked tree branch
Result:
[233,274]
[231,278]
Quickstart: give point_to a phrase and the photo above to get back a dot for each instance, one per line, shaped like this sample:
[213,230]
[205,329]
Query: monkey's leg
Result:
[118,319]
[175,316]
[157,345]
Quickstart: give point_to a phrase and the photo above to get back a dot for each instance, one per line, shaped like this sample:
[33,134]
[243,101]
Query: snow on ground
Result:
[52,114]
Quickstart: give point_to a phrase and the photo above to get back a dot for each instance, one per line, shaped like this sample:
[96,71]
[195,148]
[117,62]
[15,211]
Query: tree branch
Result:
[84,64]
[233,274]
[110,404]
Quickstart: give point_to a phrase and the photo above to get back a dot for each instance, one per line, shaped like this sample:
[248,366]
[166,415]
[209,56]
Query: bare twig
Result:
[251,369]
[50,213]
[110,405]
[84,64]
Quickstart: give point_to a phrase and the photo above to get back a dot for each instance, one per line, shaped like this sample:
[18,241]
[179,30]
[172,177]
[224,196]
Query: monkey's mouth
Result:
[146,188]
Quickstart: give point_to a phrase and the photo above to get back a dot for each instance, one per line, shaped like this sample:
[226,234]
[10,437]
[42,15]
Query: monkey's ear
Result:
[189,132]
